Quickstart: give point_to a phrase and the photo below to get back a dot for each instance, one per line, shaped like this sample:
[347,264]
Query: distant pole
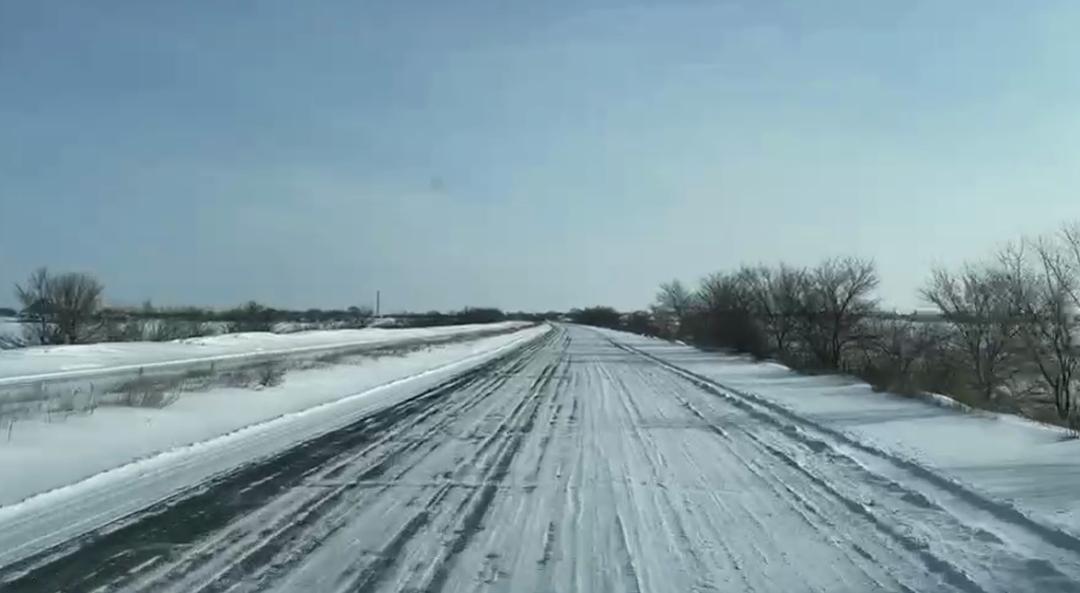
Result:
[378,302]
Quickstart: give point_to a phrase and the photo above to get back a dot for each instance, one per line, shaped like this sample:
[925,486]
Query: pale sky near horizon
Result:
[526,155]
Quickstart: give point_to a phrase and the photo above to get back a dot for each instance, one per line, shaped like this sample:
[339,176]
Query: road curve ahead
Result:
[572,464]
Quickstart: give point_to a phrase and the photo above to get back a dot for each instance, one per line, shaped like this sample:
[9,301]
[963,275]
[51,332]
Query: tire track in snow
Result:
[114,552]
[512,433]
[581,466]
[262,558]
[490,456]
[370,579]
[813,517]
[908,516]
[666,385]
[979,550]
[663,502]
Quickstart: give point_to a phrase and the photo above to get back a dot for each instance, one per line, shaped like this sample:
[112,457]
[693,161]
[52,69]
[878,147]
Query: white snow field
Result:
[577,460]
[84,360]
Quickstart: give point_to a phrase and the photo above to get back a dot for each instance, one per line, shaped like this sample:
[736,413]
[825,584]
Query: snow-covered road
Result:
[575,463]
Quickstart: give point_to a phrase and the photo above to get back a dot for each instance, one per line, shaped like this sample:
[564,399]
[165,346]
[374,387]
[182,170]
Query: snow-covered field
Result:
[50,362]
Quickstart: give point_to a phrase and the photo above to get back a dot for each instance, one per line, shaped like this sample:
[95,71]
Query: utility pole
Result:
[378,303]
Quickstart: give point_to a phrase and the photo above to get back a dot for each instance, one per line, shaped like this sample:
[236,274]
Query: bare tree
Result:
[63,309]
[36,308]
[894,348]
[1045,293]
[1069,241]
[837,299]
[672,306]
[725,292]
[779,298]
[251,317]
[980,305]
[727,308]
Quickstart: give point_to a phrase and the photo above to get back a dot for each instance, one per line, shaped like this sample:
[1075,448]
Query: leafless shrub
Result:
[148,392]
[252,317]
[806,317]
[62,309]
[725,306]
[671,308]
[169,329]
[894,353]
[123,330]
[979,305]
[359,317]
[270,374]
[779,300]
[1045,288]
[837,300]
[239,378]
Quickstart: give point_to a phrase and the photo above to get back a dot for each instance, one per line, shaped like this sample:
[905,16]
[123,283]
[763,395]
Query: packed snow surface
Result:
[1032,466]
[577,460]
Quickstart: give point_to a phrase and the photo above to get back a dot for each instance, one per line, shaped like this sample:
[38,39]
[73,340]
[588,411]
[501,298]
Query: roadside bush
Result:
[252,317]
[1004,335]
[270,374]
[640,322]
[893,351]
[60,309]
[123,330]
[597,316]
[169,329]
[149,392]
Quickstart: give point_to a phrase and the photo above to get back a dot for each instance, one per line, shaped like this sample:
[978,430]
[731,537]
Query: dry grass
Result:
[270,374]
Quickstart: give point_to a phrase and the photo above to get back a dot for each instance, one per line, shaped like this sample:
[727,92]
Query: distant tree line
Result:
[639,322]
[1004,334]
[68,308]
[249,317]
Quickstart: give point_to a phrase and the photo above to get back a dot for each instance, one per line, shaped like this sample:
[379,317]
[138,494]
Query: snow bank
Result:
[44,455]
[44,361]
[1029,465]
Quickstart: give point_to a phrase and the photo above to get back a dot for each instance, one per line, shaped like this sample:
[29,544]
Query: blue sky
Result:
[528,155]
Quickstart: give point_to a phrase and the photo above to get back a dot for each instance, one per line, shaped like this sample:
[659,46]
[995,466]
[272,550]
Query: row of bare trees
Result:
[1006,333]
[808,314]
[1015,319]
[67,308]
